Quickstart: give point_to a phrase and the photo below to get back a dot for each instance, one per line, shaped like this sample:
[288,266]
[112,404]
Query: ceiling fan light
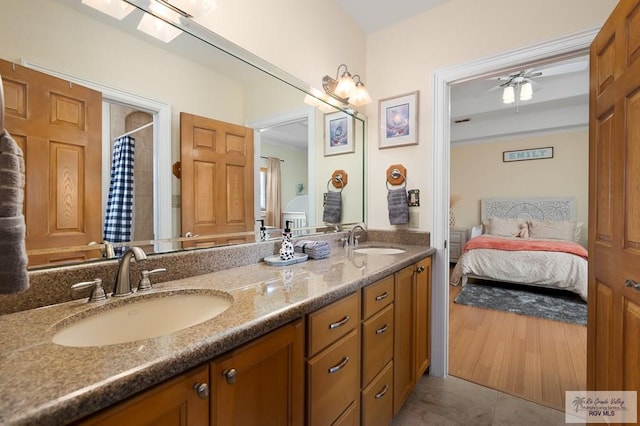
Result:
[508,95]
[526,92]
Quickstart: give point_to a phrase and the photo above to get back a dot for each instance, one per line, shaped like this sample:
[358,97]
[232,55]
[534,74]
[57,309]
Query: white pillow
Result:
[552,230]
[578,232]
[503,227]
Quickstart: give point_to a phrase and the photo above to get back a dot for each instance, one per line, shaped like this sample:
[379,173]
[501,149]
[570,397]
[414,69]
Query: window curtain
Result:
[274,208]
[118,219]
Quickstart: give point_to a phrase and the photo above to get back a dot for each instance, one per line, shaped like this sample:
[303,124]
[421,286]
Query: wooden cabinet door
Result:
[613,345]
[173,403]
[217,178]
[422,302]
[58,126]
[262,382]
[403,347]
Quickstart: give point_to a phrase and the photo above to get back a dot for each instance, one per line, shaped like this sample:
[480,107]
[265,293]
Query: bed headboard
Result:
[529,208]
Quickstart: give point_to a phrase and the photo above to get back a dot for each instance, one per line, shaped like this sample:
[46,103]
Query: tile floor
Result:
[452,401]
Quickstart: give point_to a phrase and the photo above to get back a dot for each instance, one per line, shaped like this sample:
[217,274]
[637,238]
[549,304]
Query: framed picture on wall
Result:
[338,131]
[398,117]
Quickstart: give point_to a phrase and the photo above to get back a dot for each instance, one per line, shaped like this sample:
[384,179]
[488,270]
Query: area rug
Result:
[556,305]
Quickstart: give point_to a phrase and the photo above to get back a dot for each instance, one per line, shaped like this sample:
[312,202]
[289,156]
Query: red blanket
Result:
[522,245]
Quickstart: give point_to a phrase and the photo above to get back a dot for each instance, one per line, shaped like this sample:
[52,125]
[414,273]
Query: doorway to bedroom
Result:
[493,116]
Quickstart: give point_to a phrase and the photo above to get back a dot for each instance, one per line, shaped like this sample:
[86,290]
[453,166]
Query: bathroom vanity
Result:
[340,340]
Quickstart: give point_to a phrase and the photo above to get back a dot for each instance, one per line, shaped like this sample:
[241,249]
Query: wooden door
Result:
[217,178]
[57,125]
[613,348]
[262,382]
[173,403]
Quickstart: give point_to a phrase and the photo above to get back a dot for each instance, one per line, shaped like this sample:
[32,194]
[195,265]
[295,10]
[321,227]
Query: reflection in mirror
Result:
[138,80]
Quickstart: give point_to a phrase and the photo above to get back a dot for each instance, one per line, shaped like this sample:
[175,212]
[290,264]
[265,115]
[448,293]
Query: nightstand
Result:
[457,238]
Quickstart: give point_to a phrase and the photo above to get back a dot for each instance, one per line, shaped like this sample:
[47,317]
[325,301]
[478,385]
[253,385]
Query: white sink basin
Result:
[142,319]
[378,250]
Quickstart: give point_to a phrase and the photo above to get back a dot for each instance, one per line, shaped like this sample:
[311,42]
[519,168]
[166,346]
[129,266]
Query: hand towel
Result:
[398,206]
[332,207]
[315,249]
[13,254]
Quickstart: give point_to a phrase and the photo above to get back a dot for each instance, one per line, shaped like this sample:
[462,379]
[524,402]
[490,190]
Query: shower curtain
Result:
[118,218]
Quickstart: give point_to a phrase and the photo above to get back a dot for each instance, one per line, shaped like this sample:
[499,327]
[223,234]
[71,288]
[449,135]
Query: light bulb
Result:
[361,96]
[346,86]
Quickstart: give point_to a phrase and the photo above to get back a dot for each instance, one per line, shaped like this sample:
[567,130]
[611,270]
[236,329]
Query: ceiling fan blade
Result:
[564,69]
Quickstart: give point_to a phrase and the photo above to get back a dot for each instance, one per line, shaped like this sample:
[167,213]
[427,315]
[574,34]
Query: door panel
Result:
[58,125]
[614,192]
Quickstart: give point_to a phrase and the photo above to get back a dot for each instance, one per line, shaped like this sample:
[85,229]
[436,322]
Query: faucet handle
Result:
[145,283]
[97,292]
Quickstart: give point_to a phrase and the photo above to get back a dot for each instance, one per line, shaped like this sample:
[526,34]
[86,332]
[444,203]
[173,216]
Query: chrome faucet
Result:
[123,280]
[352,240]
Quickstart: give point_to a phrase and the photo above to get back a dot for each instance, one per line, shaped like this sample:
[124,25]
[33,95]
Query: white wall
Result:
[456,32]
[477,172]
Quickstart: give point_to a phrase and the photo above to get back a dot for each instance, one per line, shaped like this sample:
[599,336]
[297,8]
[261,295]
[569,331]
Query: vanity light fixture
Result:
[346,88]
[115,8]
[169,10]
[158,28]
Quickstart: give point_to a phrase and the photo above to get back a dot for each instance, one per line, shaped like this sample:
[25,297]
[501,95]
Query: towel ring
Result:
[337,178]
[395,174]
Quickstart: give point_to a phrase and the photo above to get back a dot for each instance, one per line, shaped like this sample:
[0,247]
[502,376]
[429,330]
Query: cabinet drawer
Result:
[330,323]
[377,296]
[377,399]
[377,343]
[334,380]
[351,416]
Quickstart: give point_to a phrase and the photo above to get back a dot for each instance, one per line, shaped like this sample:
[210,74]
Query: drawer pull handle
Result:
[632,283]
[340,323]
[382,296]
[382,329]
[340,366]
[384,390]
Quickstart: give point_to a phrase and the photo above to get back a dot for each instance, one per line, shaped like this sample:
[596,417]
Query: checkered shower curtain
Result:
[117,224]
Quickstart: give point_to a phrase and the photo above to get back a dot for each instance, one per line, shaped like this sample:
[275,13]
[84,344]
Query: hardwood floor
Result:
[532,358]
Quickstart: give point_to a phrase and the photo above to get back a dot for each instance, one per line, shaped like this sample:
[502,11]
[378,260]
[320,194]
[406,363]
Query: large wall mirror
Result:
[147,90]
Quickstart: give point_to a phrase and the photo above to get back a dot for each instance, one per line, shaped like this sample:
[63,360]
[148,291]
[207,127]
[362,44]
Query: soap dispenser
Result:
[286,250]
[263,230]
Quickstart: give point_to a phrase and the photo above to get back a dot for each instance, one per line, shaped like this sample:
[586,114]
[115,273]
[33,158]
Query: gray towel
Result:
[13,254]
[332,207]
[315,249]
[398,206]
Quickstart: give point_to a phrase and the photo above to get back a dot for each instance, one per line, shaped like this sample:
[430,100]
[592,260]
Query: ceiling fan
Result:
[519,86]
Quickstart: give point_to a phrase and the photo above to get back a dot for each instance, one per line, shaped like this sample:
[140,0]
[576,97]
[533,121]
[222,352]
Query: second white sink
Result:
[142,319]
[378,250]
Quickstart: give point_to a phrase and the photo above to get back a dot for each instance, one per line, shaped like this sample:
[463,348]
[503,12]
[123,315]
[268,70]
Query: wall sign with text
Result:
[528,154]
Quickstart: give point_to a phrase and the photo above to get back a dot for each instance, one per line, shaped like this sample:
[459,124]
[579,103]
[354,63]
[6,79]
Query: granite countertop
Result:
[44,383]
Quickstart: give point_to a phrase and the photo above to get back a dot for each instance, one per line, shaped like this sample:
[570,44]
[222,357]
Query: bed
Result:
[549,256]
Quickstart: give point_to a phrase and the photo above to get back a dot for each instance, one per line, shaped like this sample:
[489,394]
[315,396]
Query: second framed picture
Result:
[398,118]
[338,131]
